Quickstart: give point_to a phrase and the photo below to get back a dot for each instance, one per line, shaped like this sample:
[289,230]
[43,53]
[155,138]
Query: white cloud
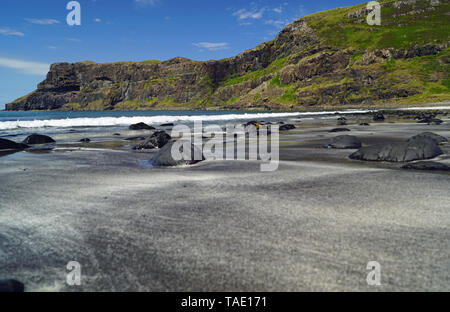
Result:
[278,10]
[6,31]
[73,39]
[146,2]
[97,20]
[45,21]
[212,46]
[243,14]
[25,67]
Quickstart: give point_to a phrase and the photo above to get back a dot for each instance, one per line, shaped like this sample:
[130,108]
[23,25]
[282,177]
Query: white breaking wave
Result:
[151,120]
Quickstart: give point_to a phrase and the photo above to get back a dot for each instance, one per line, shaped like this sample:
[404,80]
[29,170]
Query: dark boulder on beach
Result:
[399,152]
[38,139]
[287,127]
[378,117]
[435,121]
[343,142]
[339,130]
[157,140]
[11,145]
[165,157]
[423,117]
[428,118]
[167,125]
[85,140]
[430,135]
[427,165]
[365,124]
[11,286]
[252,124]
[141,126]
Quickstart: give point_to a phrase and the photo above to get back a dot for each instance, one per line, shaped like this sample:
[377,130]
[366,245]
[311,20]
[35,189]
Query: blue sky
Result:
[34,34]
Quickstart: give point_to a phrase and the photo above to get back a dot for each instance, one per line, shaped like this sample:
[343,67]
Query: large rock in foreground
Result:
[399,152]
[38,139]
[430,135]
[11,286]
[343,141]
[10,145]
[164,157]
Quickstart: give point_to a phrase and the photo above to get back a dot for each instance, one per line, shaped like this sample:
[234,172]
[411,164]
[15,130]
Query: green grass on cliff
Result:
[338,30]
[396,30]
[274,67]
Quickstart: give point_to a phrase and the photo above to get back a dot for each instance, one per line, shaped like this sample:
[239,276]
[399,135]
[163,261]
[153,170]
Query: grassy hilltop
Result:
[328,59]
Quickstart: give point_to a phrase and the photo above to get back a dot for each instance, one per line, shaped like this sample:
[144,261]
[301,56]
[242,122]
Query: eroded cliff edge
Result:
[331,58]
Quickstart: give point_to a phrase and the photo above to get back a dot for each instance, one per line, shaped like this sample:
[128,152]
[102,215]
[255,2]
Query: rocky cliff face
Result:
[329,58]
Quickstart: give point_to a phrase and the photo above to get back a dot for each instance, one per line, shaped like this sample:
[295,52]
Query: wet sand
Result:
[312,225]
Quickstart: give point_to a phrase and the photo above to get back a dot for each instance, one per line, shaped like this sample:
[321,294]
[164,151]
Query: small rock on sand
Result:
[38,139]
[339,130]
[157,140]
[141,126]
[378,117]
[287,127]
[343,142]
[164,157]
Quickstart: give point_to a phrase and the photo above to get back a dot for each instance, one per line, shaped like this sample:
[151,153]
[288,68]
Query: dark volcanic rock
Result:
[435,121]
[287,127]
[86,140]
[378,117]
[38,139]
[425,117]
[343,142]
[364,124]
[157,140]
[167,125]
[141,126]
[164,157]
[427,165]
[436,137]
[339,130]
[11,286]
[10,145]
[399,152]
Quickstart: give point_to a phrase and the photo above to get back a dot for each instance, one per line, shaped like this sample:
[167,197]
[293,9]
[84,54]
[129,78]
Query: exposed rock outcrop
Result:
[303,66]
[38,139]
[343,142]
[424,148]
[165,156]
[11,145]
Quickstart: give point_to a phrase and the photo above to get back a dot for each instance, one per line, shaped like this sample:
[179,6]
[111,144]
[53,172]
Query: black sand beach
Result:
[312,225]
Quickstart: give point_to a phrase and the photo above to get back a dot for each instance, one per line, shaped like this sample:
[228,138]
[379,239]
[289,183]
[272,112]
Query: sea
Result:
[55,122]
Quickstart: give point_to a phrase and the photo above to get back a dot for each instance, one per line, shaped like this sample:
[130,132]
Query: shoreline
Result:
[375,107]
